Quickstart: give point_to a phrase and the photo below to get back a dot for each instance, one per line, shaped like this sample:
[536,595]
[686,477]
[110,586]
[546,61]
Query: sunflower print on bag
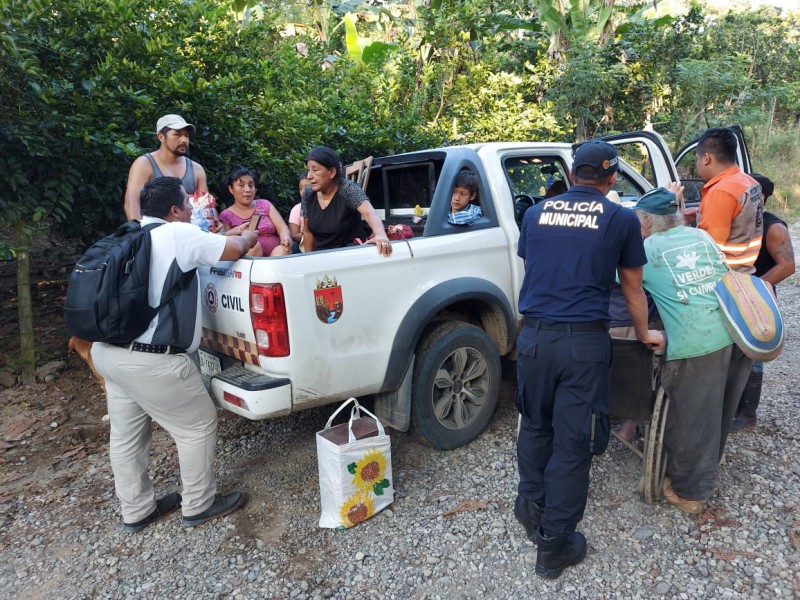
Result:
[358,507]
[369,473]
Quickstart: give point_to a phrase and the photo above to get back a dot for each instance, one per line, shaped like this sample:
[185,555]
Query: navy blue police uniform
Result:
[572,245]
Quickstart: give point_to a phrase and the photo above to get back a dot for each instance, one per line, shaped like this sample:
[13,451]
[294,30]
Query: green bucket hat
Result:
[658,202]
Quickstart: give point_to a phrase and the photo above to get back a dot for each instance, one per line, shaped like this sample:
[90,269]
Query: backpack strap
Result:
[183,283]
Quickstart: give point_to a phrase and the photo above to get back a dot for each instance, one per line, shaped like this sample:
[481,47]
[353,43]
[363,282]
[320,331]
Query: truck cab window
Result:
[531,179]
[402,193]
[408,186]
[534,176]
[627,189]
[692,184]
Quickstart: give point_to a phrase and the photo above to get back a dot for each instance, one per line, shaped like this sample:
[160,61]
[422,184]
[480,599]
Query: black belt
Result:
[577,326]
[151,348]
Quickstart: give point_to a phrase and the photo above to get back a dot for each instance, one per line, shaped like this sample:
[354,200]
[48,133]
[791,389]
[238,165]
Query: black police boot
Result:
[529,514]
[557,553]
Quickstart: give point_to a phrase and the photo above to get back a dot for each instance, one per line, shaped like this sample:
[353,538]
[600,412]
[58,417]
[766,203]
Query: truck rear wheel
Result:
[456,385]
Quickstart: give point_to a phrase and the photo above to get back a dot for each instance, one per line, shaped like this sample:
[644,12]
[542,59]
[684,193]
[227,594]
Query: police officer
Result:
[572,246]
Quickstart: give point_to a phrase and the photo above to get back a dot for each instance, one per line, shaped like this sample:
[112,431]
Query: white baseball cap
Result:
[173,122]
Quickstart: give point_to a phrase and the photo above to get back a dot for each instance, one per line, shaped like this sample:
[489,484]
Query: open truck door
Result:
[645,163]
[685,162]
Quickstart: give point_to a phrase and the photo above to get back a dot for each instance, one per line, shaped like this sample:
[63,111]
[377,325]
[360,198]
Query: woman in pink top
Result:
[273,233]
[295,217]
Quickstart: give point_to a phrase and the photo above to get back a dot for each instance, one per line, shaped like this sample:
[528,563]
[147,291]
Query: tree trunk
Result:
[25,305]
[771,119]
[580,130]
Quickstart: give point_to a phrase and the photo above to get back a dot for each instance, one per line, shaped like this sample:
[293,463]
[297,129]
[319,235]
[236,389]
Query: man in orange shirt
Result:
[730,207]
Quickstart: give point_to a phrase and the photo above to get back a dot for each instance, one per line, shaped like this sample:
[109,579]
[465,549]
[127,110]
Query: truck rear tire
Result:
[456,385]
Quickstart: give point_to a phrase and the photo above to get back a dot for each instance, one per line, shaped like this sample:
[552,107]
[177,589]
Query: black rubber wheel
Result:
[456,384]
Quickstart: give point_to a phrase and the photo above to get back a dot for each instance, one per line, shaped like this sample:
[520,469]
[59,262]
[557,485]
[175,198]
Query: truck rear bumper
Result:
[252,395]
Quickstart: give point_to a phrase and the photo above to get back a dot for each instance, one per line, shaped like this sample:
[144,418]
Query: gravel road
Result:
[449,534]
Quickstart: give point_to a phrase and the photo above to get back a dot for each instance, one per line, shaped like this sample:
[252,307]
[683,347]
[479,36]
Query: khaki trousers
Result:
[168,389]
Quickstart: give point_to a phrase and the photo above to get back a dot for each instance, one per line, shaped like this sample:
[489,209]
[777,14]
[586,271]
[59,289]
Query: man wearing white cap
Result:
[169,160]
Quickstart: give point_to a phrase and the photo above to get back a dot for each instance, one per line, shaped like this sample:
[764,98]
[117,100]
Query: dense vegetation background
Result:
[85,80]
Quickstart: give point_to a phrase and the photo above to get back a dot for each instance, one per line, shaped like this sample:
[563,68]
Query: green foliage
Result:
[683,73]
[494,105]
[255,99]
[768,46]
[704,87]
[265,81]
[782,149]
[362,50]
[577,20]
[84,82]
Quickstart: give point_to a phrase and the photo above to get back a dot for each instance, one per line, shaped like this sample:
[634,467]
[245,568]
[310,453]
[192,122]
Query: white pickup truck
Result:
[422,331]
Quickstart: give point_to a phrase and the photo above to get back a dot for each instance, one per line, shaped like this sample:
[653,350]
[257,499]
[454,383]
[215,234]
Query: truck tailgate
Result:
[228,361]
[226,307]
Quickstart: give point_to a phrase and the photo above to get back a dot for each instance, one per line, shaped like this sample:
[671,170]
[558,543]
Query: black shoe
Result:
[222,506]
[529,514]
[557,553]
[168,504]
[743,423]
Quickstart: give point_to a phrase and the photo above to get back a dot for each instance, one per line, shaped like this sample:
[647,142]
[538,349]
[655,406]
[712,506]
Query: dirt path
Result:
[59,514]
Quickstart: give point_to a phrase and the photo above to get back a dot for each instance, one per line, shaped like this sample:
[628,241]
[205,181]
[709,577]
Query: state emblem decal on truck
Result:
[328,299]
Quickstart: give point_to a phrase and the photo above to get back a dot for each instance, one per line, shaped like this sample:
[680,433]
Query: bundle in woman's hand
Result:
[400,231]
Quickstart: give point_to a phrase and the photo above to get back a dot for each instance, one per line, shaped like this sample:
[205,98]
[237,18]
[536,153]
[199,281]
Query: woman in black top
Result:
[332,207]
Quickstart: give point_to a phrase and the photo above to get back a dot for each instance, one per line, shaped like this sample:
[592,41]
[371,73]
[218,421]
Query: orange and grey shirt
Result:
[731,212]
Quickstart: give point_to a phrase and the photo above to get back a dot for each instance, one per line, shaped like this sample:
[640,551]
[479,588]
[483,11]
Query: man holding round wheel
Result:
[704,372]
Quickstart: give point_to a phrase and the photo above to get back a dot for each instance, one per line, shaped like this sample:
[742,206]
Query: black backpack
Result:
[107,293]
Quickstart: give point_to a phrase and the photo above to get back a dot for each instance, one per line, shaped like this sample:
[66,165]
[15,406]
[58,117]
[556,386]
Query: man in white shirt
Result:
[153,377]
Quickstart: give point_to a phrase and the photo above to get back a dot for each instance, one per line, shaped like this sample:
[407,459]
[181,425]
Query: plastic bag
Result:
[355,468]
[401,231]
[204,210]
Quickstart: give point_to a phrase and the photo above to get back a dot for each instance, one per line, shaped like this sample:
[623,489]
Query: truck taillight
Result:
[235,400]
[268,313]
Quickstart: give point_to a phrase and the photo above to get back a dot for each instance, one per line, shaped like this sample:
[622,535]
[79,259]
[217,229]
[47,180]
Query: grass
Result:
[779,159]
